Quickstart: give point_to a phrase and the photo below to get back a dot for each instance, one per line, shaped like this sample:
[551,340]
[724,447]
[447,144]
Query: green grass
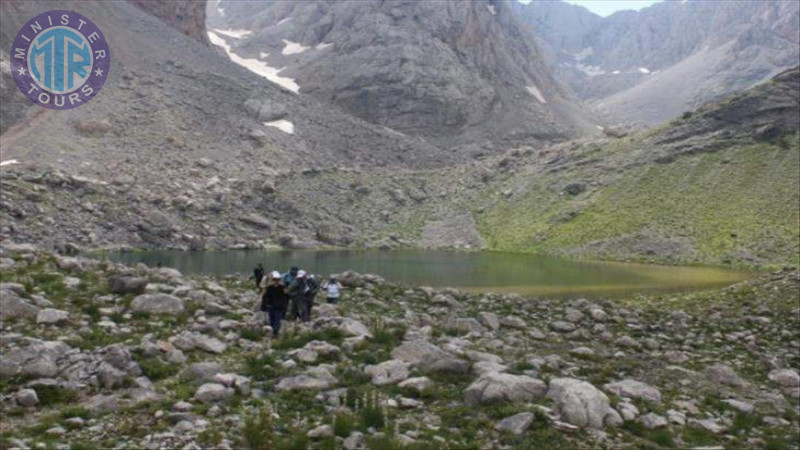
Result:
[155,369]
[52,394]
[740,200]
[291,341]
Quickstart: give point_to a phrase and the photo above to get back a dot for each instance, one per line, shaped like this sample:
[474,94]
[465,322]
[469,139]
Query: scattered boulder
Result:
[51,316]
[26,397]
[652,421]
[417,384]
[12,306]
[209,344]
[489,320]
[786,378]
[575,188]
[202,372]
[724,374]
[516,424]
[388,372]
[562,326]
[634,389]
[127,284]
[213,393]
[503,387]
[316,379]
[429,358]
[513,322]
[158,304]
[579,402]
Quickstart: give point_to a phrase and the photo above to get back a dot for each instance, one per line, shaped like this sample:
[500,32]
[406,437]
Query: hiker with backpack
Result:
[274,301]
[303,290]
[333,289]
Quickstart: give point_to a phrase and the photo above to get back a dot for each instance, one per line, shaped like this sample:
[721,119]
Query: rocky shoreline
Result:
[102,354]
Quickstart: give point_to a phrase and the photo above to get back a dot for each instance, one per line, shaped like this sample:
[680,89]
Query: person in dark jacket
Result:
[274,301]
[303,290]
[258,274]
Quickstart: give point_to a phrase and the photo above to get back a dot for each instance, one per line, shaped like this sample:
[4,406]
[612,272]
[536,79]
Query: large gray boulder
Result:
[314,379]
[213,393]
[33,358]
[12,306]
[49,316]
[579,402]
[502,387]
[516,424]
[158,304]
[725,375]
[127,284]
[429,358]
[202,371]
[634,389]
[388,372]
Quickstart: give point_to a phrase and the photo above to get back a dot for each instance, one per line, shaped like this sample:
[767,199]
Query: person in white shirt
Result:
[333,289]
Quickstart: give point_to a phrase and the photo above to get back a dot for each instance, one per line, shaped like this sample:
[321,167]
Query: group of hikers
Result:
[291,295]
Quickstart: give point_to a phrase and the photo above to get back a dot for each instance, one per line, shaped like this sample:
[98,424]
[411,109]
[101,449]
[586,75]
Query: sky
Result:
[608,7]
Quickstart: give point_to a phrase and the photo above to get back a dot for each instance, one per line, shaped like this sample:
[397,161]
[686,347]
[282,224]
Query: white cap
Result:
[301,274]
[275,274]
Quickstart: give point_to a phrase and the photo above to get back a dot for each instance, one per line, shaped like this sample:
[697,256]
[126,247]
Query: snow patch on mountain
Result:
[644,70]
[323,45]
[283,21]
[583,54]
[236,34]
[258,67]
[491,9]
[590,70]
[9,162]
[283,125]
[292,48]
[536,93]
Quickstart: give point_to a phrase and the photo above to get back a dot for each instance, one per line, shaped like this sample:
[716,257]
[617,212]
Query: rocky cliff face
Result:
[450,71]
[650,65]
[188,16]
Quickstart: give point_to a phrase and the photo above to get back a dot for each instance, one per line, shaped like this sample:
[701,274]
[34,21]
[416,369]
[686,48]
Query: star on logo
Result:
[98,72]
[21,71]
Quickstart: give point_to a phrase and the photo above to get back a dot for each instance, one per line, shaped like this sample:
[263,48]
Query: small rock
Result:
[50,316]
[516,424]
[322,431]
[212,393]
[652,421]
[26,397]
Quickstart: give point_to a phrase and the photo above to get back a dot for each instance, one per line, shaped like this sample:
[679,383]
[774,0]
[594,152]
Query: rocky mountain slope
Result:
[454,72]
[649,66]
[102,355]
[186,15]
[179,102]
[717,186]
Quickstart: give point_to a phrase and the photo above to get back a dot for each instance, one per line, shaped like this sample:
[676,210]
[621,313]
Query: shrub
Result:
[371,413]
[343,424]
[251,334]
[257,431]
[74,411]
[261,367]
[155,369]
[51,394]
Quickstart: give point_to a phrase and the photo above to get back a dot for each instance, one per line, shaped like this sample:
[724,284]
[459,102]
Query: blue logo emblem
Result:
[60,59]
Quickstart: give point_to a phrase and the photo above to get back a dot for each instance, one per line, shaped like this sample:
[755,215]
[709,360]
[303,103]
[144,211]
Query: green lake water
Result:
[470,271]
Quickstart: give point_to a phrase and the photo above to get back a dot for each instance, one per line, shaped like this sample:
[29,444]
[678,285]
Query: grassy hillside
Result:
[739,206]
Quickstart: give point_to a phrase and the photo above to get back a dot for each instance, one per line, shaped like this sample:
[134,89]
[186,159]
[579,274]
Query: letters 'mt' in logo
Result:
[60,59]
